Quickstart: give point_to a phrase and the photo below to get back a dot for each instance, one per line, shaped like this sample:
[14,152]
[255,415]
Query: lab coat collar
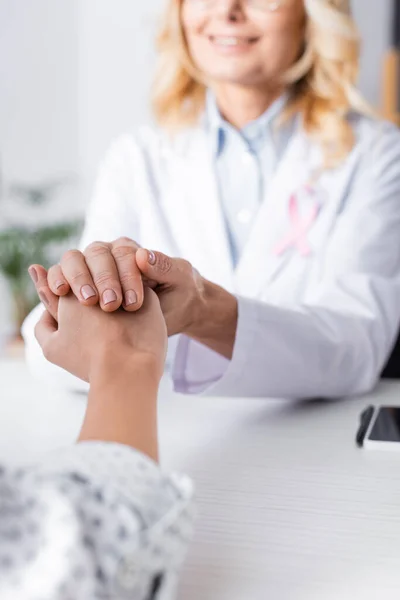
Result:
[256,133]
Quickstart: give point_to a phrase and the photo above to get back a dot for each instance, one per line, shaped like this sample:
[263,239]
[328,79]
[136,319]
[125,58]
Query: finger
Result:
[161,268]
[79,277]
[57,282]
[150,299]
[149,282]
[104,272]
[124,253]
[39,278]
[44,330]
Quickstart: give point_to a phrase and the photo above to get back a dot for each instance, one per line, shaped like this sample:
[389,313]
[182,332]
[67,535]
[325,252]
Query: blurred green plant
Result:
[21,245]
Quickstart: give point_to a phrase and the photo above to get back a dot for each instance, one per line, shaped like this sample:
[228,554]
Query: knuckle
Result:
[105,279]
[71,255]
[164,264]
[54,269]
[186,267]
[129,278]
[96,249]
[125,241]
[78,277]
[123,250]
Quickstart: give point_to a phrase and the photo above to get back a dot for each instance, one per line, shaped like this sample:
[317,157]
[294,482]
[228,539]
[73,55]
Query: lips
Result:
[232,41]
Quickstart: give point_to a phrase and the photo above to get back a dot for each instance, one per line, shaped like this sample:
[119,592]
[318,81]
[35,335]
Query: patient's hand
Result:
[85,337]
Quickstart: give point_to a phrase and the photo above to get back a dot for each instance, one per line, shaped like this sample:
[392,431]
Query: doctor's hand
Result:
[85,337]
[190,303]
[105,273]
[180,289]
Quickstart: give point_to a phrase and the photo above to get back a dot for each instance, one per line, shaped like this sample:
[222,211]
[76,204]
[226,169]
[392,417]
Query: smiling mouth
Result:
[232,41]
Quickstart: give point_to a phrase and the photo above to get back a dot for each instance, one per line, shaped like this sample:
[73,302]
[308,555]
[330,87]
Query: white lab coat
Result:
[321,325]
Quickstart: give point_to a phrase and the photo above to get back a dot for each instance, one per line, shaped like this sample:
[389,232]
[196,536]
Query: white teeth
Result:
[231,41]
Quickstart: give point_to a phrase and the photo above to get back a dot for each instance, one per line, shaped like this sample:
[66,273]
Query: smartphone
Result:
[383,432]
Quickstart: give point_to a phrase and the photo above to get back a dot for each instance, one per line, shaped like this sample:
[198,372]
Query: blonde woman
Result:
[275,186]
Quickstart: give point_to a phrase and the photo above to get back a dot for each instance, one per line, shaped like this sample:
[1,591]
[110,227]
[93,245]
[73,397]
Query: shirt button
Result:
[244,216]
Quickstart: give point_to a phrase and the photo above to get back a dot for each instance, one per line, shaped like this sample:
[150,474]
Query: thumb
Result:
[159,267]
[44,330]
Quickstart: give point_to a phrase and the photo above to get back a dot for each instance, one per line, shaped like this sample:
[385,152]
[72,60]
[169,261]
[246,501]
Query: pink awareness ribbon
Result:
[297,236]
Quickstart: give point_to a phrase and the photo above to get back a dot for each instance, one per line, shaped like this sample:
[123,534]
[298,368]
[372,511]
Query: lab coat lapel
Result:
[194,209]
[259,263]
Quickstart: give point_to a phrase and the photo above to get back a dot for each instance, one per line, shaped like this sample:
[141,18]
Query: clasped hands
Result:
[116,278]
[114,275]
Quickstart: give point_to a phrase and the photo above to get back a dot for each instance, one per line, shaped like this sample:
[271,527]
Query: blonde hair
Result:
[322,82]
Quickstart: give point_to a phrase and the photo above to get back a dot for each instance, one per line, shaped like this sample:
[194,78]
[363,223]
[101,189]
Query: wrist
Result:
[122,403]
[198,310]
[215,318]
[121,362]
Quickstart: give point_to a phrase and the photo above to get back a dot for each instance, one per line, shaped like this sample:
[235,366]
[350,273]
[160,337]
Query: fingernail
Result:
[59,284]
[33,273]
[43,298]
[87,292]
[130,297]
[109,296]
[152,258]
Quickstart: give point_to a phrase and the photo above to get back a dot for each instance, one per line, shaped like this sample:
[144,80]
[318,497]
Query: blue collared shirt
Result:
[245,161]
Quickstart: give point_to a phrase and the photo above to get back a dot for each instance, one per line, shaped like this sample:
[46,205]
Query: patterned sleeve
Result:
[98,521]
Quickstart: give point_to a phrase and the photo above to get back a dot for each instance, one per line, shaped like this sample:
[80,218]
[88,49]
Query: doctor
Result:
[275,186]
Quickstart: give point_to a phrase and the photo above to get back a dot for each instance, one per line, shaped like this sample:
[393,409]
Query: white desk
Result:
[290,509]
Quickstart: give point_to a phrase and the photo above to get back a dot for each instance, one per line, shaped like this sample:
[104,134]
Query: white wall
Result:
[38,88]
[373,18]
[115,69]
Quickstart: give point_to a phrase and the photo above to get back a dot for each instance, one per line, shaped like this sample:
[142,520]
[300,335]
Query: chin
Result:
[239,72]
[237,77]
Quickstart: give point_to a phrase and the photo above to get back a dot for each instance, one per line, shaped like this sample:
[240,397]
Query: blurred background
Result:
[73,74]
